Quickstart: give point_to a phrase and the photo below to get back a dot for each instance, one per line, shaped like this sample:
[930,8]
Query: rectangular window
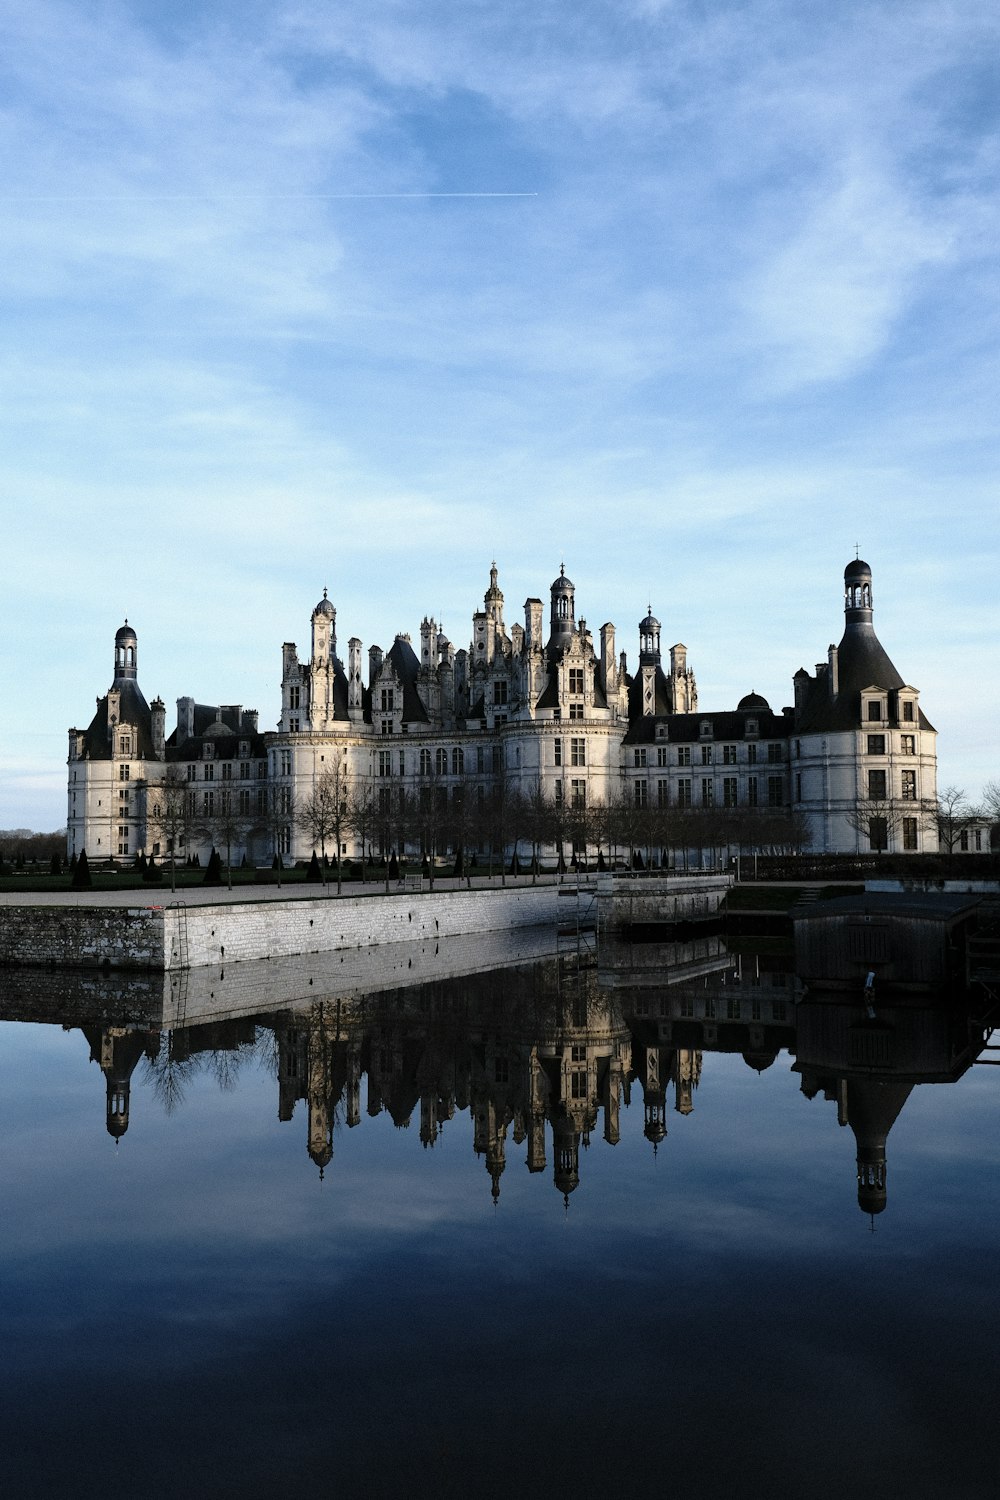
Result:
[261,799]
[907,744]
[457,761]
[286,763]
[639,756]
[707,791]
[578,793]
[876,786]
[123,773]
[499,694]
[192,772]
[293,724]
[775,754]
[706,755]
[751,730]
[208,804]
[684,755]
[208,772]
[775,791]
[684,792]
[557,749]
[386,726]
[385,763]
[558,789]
[729,793]
[878,833]
[244,800]
[227,770]
[641,793]
[441,761]
[388,700]
[285,800]
[244,770]
[661,755]
[578,1084]
[751,791]
[751,755]
[578,752]
[876,744]
[979,841]
[402,762]
[294,697]
[908,714]
[874,710]
[576,679]
[963,841]
[425,762]
[576,710]
[729,755]
[663,792]
[909,833]
[909,786]
[480,759]
[384,801]
[732,1010]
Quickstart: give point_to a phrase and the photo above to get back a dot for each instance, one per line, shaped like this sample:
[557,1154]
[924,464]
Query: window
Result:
[963,840]
[909,833]
[558,794]
[661,755]
[244,800]
[639,756]
[285,800]
[707,791]
[576,679]
[908,714]
[578,752]
[123,795]
[402,762]
[126,744]
[208,772]
[386,726]
[441,761]
[706,755]
[499,694]
[384,801]
[123,832]
[425,762]
[909,786]
[294,724]
[124,772]
[388,700]
[576,710]
[751,755]
[729,755]
[641,793]
[729,794]
[979,841]
[457,761]
[480,759]
[684,755]
[385,763]
[227,770]
[578,793]
[775,754]
[244,770]
[876,786]
[874,710]
[751,791]
[878,833]
[122,847]
[907,744]
[684,792]
[732,1009]
[294,697]
[578,1083]
[192,772]
[557,748]
[751,730]
[286,763]
[705,729]
[876,744]
[208,804]
[775,791]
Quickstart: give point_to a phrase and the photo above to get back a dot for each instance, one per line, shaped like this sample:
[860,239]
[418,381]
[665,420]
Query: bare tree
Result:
[170,814]
[277,818]
[361,818]
[876,818]
[229,821]
[324,812]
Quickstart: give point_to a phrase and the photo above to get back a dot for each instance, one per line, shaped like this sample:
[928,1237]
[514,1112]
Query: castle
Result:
[443,748]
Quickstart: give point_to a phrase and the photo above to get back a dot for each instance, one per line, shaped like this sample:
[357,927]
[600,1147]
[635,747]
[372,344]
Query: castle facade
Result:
[432,748]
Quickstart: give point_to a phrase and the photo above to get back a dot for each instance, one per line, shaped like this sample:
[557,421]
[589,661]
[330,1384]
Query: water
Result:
[197,1305]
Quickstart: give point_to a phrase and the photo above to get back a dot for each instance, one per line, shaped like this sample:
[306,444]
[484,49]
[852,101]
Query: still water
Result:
[556,1224]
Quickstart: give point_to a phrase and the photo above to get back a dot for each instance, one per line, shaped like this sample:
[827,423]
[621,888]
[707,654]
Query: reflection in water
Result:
[540,1056]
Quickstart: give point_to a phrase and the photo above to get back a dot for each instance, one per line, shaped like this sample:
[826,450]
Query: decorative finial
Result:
[857,551]
[562,570]
[324,593]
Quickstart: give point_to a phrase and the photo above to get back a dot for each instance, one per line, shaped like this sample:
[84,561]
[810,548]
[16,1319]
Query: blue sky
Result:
[740,317]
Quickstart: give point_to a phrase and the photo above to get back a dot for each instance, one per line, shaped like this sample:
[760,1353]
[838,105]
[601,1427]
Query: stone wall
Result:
[117,937]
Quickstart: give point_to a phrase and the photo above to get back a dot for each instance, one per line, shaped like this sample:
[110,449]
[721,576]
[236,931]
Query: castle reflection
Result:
[540,1056]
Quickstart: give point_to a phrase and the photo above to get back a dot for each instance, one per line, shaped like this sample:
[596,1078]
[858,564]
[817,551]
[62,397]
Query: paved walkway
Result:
[293,890]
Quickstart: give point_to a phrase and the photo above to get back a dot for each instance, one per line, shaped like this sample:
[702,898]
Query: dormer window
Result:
[388,701]
[125,745]
[752,729]
[705,729]
[908,712]
[207,750]
[662,731]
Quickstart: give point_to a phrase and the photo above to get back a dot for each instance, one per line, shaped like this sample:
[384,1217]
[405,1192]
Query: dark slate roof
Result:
[406,665]
[730,724]
[226,747]
[862,662]
[549,696]
[133,710]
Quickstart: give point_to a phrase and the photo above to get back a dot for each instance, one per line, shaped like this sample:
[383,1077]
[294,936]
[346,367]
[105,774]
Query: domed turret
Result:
[126,653]
[562,620]
[649,640]
[858,592]
[324,607]
[753,703]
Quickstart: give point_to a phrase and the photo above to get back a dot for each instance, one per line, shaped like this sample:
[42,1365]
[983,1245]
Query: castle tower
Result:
[649,659]
[562,619]
[493,599]
[858,593]
[126,655]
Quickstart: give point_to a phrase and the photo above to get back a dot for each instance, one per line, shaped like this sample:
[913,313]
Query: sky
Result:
[695,298]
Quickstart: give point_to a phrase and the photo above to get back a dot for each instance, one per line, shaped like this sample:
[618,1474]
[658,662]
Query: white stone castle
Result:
[438,748]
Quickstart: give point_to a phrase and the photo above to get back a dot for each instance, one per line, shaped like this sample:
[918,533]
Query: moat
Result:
[657,1217]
